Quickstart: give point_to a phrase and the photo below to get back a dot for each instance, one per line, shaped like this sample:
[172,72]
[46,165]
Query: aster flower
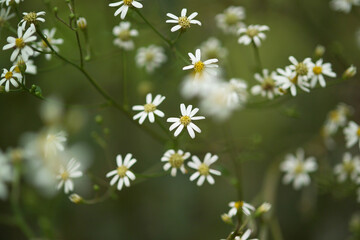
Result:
[199,66]
[212,48]
[186,120]
[122,174]
[352,134]
[267,87]
[5,175]
[31,18]
[319,69]
[337,118]
[50,37]
[10,77]
[124,36]
[21,43]
[303,70]
[203,170]
[30,67]
[344,5]
[246,208]
[231,19]
[126,4]
[288,79]
[252,33]
[149,109]
[5,15]
[183,22]
[245,236]
[297,169]
[9,2]
[151,57]
[66,175]
[54,142]
[349,168]
[175,160]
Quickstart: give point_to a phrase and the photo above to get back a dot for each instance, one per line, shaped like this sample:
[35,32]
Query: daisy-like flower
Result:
[54,143]
[9,2]
[203,170]
[122,174]
[246,208]
[231,19]
[344,5]
[149,109]
[31,18]
[5,15]
[288,79]
[66,175]
[186,120]
[5,175]
[151,57]
[212,48]
[320,69]
[252,33]
[183,22]
[337,118]
[199,66]
[175,160]
[267,87]
[10,77]
[124,36]
[50,37]
[21,43]
[28,65]
[303,70]
[245,236]
[349,168]
[126,4]
[297,169]
[352,134]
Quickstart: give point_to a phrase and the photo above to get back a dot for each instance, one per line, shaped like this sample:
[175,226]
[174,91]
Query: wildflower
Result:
[151,57]
[231,19]
[66,174]
[252,33]
[149,109]
[81,23]
[22,66]
[5,175]
[186,120]
[50,37]
[337,118]
[264,208]
[10,77]
[344,5]
[297,169]
[201,67]
[9,2]
[352,134]
[175,160]
[124,36]
[126,4]
[183,22]
[319,69]
[288,79]
[31,18]
[212,48]
[54,143]
[267,87]
[245,236]
[203,170]
[350,72]
[21,43]
[75,198]
[5,15]
[246,208]
[226,218]
[122,174]
[302,69]
[350,167]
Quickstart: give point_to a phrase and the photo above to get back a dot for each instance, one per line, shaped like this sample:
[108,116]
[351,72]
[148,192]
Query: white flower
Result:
[8,2]
[183,22]
[31,18]
[175,160]
[151,57]
[245,236]
[122,174]
[246,208]
[5,15]
[21,43]
[201,67]
[212,48]
[230,20]
[52,110]
[288,79]
[75,198]
[337,118]
[29,64]
[320,69]
[5,175]
[267,87]
[126,4]
[66,174]
[203,170]
[81,23]
[50,37]
[303,70]
[265,207]
[350,167]
[252,33]
[54,143]
[186,120]
[10,77]
[344,5]
[352,134]
[149,109]
[297,169]
[124,36]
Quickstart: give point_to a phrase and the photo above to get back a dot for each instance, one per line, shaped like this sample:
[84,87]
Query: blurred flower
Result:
[320,69]
[125,7]
[124,36]
[201,67]
[212,48]
[252,33]
[264,208]
[267,87]
[344,5]
[245,236]
[230,20]
[183,22]
[29,66]
[66,175]
[149,109]
[122,174]
[245,208]
[187,116]
[287,79]
[81,23]
[337,118]
[75,198]
[5,15]
[10,77]
[49,34]
[352,134]
[5,175]
[21,43]
[54,142]
[52,110]
[297,169]
[350,167]
[226,218]
[150,57]
[319,51]
[203,170]
[9,2]
[175,160]
[350,72]
[31,18]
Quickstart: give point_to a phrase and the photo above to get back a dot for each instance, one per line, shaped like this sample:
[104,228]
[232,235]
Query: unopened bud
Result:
[350,72]
[319,51]
[81,23]
[226,218]
[264,208]
[75,198]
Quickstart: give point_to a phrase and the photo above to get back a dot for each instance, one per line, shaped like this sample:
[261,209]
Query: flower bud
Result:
[75,198]
[264,208]
[319,51]
[82,23]
[226,218]
[350,72]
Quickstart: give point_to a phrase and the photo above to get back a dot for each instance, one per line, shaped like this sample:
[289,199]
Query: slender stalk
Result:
[80,49]
[257,56]
[124,79]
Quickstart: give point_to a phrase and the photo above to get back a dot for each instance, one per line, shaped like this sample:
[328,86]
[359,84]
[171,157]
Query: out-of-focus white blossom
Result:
[151,57]
[230,21]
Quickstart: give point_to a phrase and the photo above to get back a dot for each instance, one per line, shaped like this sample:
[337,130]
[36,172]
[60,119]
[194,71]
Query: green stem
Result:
[124,80]
[257,56]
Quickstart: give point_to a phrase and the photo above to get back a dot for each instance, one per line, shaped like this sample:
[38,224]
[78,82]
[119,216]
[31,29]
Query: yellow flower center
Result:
[239,204]
[185,120]
[19,43]
[124,35]
[44,44]
[149,107]
[301,69]
[231,19]
[299,168]
[176,160]
[268,84]
[184,22]
[8,75]
[252,32]
[203,169]
[128,2]
[30,17]
[348,167]
[294,80]
[334,115]
[122,171]
[317,70]
[65,176]
[149,56]
[358,132]
[199,66]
